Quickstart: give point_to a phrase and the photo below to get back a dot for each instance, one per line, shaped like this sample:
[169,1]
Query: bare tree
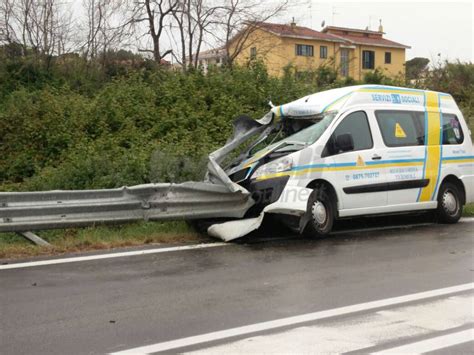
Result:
[180,15]
[40,25]
[205,16]
[154,13]
[193,19]
[7,32]
[105,27]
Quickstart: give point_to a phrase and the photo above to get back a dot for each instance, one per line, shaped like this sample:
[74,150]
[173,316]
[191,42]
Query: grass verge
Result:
[109,237]
[99,238]
[468,210]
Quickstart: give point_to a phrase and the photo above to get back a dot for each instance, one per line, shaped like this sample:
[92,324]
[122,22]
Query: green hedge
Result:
[70,127]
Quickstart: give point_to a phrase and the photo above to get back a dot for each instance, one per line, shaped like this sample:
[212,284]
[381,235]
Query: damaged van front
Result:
[265,173]
[287,137]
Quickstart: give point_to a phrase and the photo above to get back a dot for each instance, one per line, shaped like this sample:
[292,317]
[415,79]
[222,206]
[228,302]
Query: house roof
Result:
[294,31]
[212,53]
[336,28]
[372,41]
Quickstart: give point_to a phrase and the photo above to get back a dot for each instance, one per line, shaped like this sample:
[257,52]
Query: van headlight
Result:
[276,166]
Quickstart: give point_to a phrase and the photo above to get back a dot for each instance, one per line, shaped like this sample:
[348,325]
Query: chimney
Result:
[380,26]
[293,23]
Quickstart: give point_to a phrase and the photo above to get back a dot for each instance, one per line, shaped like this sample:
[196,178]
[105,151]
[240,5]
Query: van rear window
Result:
[452,131]
[401,128]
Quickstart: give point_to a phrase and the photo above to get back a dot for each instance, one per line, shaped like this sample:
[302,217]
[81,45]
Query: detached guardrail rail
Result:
[29,211]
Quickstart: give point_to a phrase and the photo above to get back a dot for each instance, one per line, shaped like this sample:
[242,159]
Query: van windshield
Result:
[299,140]
[311,134]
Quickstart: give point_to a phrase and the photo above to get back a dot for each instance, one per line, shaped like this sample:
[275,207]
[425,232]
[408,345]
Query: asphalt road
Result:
[127,302]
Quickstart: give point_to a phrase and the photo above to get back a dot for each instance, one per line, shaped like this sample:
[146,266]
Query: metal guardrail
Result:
[216,197]
[29,211]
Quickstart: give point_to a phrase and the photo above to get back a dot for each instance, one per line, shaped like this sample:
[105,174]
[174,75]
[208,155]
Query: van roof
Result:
[361,95]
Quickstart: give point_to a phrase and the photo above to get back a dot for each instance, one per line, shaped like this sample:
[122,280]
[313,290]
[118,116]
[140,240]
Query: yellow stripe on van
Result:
[459,161]
[433,148]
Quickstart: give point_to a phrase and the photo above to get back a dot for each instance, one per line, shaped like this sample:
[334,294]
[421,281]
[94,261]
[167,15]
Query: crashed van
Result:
[353,151]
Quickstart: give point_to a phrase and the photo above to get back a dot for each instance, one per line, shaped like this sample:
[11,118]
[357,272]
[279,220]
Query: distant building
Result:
[211,57]
[352,52]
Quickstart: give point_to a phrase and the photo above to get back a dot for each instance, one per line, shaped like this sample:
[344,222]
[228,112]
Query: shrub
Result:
[76,125]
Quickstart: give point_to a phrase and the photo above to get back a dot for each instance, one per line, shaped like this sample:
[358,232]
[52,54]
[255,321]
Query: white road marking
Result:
[283,322]
[164,250]
[432,344]
[359,332]
[109,256]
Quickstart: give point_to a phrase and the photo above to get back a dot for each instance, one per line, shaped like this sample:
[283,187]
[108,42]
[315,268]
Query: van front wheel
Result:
[323,211]
[449,203]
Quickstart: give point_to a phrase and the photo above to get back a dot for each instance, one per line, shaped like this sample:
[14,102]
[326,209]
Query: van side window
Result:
[401,128]
[452,131]
[357,125]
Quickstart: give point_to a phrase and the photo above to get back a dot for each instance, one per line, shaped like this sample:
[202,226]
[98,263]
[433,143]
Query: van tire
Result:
[449,204]
[323,213]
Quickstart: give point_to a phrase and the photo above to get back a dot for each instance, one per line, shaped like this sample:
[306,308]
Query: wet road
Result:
[358,291]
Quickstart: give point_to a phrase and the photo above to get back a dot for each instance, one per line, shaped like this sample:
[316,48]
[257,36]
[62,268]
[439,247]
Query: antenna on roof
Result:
[333,14]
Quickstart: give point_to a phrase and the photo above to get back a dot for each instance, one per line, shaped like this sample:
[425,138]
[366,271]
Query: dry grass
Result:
[99,238]
[13,246]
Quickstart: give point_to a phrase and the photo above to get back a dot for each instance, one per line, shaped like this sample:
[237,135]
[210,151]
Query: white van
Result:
[365,150]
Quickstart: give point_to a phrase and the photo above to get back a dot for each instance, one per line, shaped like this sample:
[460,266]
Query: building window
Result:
[323,52]
[388,57]
[368,59]
[253,52]
[218,60]
[304,50]
[344,62]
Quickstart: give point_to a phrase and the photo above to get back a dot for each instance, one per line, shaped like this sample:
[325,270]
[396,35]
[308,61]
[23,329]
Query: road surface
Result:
[401,290]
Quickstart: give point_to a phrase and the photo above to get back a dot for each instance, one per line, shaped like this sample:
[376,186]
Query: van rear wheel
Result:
[449,203]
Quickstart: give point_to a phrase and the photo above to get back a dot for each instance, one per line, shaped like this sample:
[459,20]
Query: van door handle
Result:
[376,157]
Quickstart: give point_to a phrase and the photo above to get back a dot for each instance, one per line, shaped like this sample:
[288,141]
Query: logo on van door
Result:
[360,161]
[396,99]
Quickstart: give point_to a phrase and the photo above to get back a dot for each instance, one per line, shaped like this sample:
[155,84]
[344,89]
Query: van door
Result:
[403,134]
[358,184]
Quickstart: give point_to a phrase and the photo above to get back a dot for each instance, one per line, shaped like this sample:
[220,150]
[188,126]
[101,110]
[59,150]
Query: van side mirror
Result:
[344,142]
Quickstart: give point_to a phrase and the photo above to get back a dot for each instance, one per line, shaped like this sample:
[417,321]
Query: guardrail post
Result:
[34,238]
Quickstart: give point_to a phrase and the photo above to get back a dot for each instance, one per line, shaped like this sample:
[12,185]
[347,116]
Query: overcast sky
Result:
[429,27]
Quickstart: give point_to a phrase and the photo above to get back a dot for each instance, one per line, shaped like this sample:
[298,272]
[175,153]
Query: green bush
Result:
[100,124]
